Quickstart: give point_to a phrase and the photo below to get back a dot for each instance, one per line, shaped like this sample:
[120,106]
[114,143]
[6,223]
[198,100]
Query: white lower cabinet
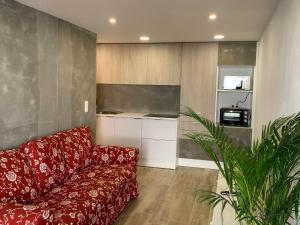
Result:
[105,130]
[159,129]
[158,153]
[128,132]
[155,138]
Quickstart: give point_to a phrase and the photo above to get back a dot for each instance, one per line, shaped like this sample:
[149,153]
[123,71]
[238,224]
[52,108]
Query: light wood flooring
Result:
[166,197]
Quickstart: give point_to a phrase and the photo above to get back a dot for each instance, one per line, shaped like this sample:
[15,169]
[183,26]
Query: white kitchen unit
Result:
[156,138]
[159,143]
[105,130]
[128,132]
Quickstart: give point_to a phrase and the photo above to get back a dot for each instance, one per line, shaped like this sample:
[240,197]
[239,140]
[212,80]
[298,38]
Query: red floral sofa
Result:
[64,179]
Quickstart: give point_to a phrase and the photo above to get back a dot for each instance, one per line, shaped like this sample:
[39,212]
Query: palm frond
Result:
[266,178]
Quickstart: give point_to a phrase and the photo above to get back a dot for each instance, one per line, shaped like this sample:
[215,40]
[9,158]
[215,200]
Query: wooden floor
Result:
[166,197]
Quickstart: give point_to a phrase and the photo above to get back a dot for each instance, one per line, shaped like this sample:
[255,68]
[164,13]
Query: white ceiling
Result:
[163,20]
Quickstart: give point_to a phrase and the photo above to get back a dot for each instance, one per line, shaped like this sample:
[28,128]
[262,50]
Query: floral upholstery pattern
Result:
[89,198]
[93,192]
[47,161]
[77,144]
[24,214]
[103,155]
[17,183]
[117,172]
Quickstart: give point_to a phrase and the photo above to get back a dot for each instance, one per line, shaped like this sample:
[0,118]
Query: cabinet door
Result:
[198,81]
[159,153]
[121,63]
[237,53]
[128,132]
[160,129]
[164,64]
[109,58]
[134,64]
[105,131]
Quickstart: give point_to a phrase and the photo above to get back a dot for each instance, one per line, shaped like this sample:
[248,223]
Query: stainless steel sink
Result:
[110,112]
[162,115]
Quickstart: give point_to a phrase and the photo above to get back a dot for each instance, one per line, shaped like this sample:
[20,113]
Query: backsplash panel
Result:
[138,98]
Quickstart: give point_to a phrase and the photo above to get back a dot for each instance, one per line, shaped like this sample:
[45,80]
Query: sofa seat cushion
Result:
[77,144]
[47,161]
[89,198]
[74,211]
[16,179]
[18,214]
[121,171]
[85,201]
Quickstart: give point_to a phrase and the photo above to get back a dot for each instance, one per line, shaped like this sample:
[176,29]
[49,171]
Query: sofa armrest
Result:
[14,213]
[114,155]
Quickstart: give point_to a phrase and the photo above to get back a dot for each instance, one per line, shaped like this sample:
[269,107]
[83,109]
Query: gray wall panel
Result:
[47,70]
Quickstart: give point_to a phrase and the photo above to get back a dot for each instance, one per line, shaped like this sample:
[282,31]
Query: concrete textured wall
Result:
[47,71]
[277,86]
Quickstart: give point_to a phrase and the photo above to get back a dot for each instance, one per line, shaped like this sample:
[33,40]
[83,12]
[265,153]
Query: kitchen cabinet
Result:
[109,58]
[155,138]
[164,64]
[147,64]
[128,132]
[159,153]
[237,53]
[198,82]
[159,129]
[105,130]
[134,64]
[121,63]
[159,143]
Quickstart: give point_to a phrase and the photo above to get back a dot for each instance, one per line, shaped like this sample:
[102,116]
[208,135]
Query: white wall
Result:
[278,75]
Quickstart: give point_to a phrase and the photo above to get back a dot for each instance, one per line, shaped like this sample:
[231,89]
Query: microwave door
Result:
[232,116]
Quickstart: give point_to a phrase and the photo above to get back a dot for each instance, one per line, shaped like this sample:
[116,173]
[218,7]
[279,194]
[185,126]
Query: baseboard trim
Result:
[205,164]
[162,165]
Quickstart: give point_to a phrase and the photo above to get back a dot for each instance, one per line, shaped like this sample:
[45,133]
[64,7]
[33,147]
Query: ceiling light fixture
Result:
[144,38]
[212,16]
[219,37]
[113,20]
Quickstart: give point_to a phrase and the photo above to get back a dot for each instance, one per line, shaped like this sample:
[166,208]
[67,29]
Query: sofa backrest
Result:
[17,183]
[77,145]
[47,161]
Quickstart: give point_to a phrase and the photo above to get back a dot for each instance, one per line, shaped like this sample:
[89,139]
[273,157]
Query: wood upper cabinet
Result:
[237,53]
[198,81]
[108,63]
[133,64]
[164,64]
[157,64]
[121,63]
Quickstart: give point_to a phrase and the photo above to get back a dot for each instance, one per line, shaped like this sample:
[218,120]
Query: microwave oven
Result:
[235,117]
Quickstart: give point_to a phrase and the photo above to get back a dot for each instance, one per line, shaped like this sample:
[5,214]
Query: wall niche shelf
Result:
[226,98]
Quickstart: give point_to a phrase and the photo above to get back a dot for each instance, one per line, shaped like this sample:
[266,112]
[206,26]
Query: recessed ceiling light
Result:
[113,20]
[212,16]
[219,37]
[144,38]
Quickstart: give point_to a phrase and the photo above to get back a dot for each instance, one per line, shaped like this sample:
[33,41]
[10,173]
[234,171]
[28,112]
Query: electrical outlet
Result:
[86,106]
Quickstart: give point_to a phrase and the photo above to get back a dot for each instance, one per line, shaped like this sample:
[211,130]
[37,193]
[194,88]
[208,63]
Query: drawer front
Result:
[159,153]
[159,129]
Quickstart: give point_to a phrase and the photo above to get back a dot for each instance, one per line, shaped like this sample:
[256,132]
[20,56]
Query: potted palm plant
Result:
[263,182]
